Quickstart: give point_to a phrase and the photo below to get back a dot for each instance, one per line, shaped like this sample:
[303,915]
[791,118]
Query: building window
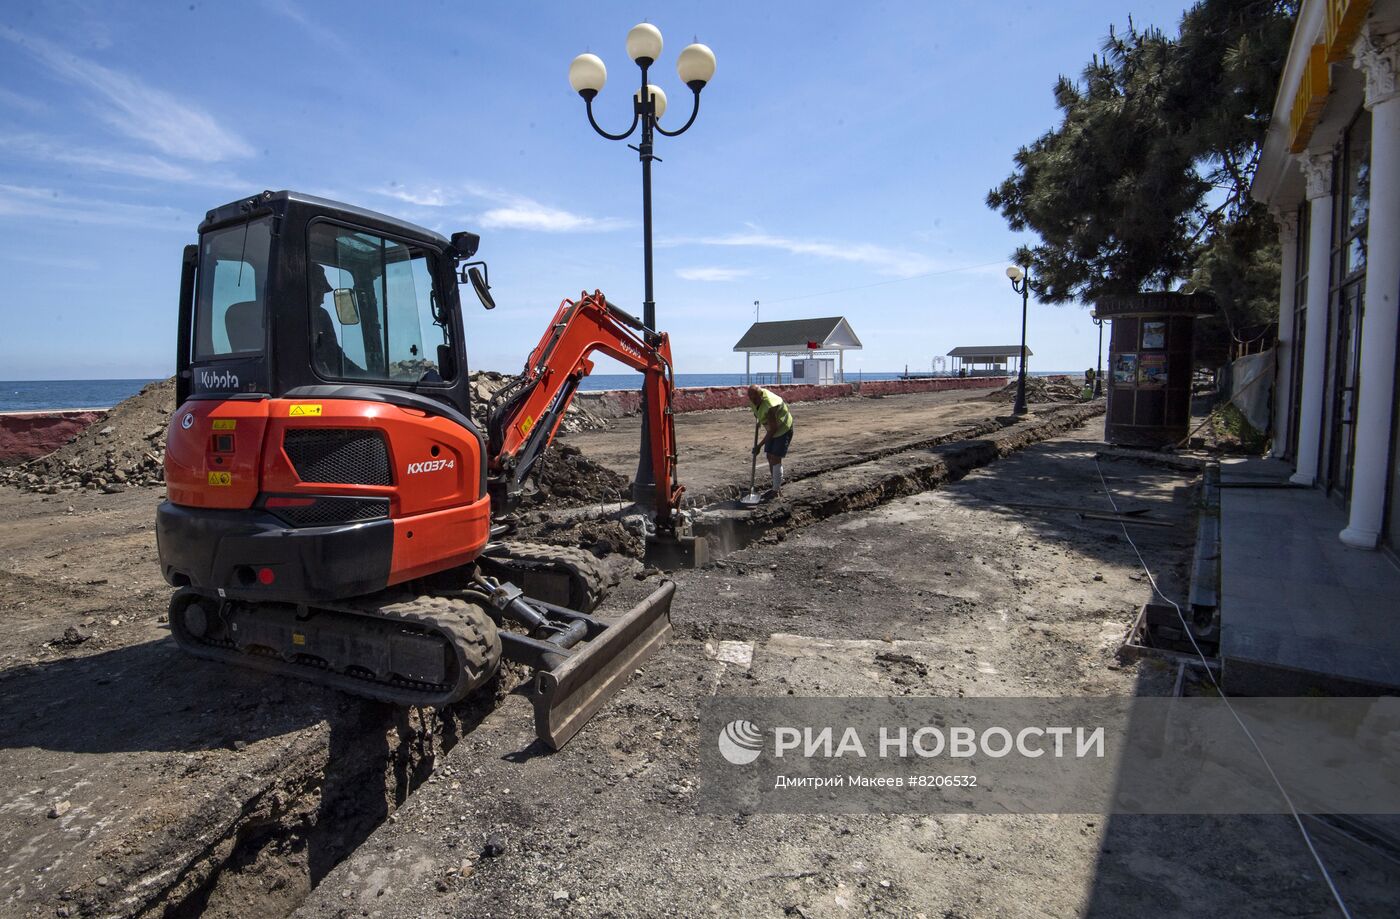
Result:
[1351,184]
[1356,195]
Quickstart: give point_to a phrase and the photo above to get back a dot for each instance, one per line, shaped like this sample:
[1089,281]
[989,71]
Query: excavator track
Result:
[568,577]
[412,650]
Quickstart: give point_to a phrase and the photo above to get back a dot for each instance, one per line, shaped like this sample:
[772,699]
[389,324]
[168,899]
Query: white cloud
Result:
[33,203]
[318,31]
[886,260]
[423,197]
[148,114]
[139,165]
[19,100]
[712,274]
[512,212]
[525,214]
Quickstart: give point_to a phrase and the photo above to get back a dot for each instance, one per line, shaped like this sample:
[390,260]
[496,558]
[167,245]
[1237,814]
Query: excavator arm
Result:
[525,416]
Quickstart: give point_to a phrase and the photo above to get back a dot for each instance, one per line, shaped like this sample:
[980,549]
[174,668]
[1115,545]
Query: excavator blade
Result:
[566,696]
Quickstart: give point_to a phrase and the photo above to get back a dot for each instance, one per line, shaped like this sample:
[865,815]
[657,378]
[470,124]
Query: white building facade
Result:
[1330,174]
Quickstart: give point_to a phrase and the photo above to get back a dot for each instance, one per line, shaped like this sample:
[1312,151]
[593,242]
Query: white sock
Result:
[777,476]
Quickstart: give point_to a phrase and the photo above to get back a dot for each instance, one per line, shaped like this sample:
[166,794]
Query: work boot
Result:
[770,494]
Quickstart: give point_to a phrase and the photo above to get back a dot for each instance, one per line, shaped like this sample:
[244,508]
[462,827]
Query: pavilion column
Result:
[748,367]
[1288,285]
[1317,170]
[778,371]
[1379,58]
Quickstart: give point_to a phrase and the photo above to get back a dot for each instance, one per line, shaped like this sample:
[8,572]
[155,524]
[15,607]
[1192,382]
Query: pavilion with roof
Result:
[985,360]
[812,343]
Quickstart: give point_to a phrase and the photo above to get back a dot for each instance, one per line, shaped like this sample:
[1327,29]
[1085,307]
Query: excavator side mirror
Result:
[346,309]
[483,289]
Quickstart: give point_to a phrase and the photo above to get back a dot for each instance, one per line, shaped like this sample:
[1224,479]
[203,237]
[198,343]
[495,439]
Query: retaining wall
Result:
[617,403]
[28,435]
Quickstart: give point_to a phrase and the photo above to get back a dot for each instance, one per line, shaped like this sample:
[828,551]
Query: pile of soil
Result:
[608,538]
[126,448]
[486,383]
[565,476]
[1042,390]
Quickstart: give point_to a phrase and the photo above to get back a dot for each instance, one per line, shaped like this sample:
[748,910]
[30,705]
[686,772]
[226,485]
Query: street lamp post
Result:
[1098,369]
[1021,283]
[587,74]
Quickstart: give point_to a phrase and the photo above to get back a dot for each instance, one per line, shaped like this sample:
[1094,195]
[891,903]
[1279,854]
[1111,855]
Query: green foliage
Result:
[1239,265]
[1234,433]
[1146,180]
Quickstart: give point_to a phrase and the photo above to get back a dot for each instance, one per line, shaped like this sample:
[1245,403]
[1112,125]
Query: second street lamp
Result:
[1098,370]
[587,74]
[1021,283]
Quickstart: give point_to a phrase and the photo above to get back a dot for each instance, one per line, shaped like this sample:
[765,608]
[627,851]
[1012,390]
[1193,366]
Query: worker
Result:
[772,412]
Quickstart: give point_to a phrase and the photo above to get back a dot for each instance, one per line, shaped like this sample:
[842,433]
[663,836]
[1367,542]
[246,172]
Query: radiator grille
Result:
[338,456]
[329,511]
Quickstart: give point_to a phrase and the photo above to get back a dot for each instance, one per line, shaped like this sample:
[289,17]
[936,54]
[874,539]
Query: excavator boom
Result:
[526,415]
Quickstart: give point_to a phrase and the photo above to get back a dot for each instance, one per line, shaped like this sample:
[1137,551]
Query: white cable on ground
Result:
[1307,839]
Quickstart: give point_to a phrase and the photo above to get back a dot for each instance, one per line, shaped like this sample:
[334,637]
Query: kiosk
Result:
[1150,365]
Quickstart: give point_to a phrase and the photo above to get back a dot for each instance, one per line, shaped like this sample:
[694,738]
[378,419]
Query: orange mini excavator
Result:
[334,513]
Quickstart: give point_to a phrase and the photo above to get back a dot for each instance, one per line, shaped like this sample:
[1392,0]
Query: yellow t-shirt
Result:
[772,402]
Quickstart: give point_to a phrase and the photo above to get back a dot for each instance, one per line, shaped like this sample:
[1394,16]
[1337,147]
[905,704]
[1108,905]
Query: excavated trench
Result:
[883,477]
[331,791]
[333,788]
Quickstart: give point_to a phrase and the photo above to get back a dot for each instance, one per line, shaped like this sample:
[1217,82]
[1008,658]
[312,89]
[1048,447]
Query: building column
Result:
[1317,170]
[1379,58]
[748,367]
[1283,351]
[778,375]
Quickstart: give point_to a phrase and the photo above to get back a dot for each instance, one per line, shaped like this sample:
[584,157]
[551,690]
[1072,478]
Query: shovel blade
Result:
[566,696]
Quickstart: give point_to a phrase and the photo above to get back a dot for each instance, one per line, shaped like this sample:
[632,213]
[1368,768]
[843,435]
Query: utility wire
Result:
[1185,627]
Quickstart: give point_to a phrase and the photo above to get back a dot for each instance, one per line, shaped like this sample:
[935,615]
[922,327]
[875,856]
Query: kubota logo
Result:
[211,380]
[740,742]
[430,466]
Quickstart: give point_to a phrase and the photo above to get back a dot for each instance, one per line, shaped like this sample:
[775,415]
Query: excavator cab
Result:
[381,308]
[328,513]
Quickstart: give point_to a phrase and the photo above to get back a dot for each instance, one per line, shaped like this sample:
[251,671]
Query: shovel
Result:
[753,498]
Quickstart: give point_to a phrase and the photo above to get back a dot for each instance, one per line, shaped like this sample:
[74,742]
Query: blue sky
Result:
[838,167]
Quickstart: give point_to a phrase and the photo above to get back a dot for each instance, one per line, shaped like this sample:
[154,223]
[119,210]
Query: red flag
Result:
[814,345]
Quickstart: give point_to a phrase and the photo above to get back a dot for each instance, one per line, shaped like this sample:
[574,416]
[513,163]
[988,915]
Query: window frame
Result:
[445,303]
[264,292]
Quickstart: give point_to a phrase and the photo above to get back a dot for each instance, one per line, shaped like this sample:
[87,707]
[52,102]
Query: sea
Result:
[48,395]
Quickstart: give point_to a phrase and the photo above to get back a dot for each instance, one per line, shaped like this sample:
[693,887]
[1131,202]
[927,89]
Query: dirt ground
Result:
[141,782]
[951,592]
[715,445]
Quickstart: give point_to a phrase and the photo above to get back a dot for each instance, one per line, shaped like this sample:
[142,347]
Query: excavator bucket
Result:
[567,695]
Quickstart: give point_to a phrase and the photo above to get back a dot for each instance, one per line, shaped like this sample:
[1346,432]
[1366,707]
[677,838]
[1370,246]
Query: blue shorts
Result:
[778,446]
